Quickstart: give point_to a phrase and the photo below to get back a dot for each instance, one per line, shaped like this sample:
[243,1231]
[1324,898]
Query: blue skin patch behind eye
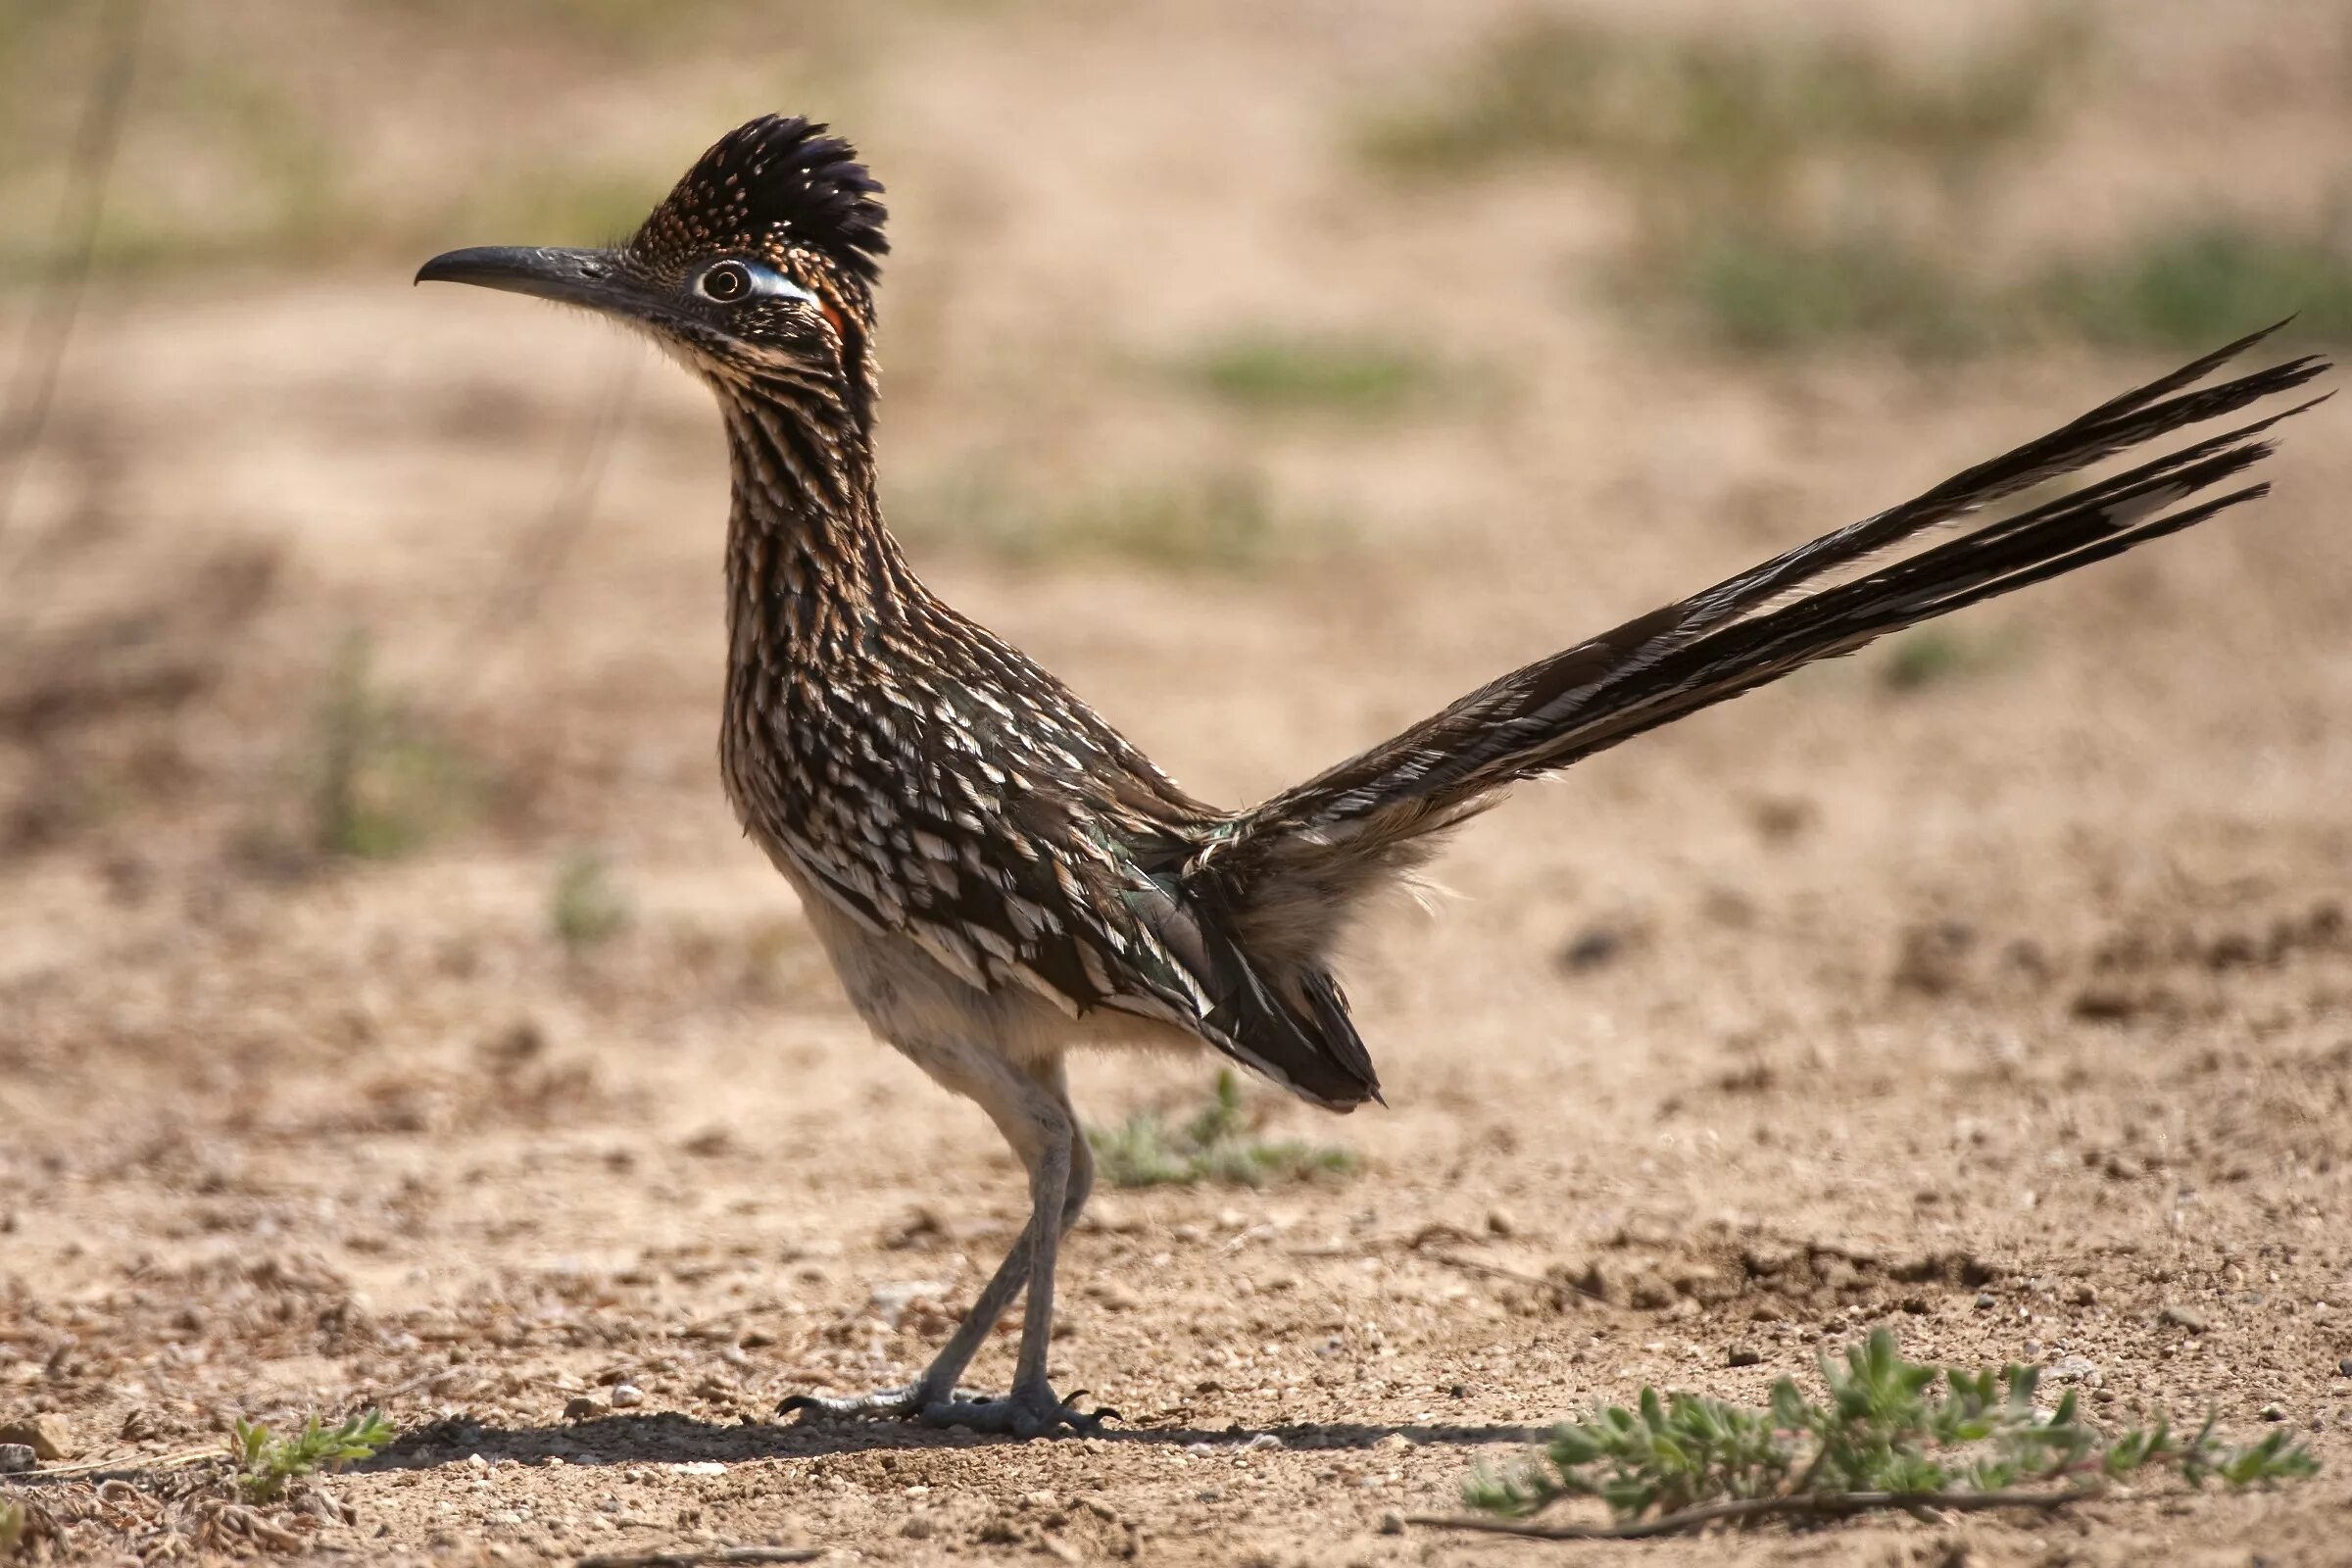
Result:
[765,282]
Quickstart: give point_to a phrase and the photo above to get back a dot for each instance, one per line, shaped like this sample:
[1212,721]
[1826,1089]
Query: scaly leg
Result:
[1034,1112]
[1032,1408]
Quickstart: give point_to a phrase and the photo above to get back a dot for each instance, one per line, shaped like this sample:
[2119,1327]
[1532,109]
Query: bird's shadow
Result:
[669,1437]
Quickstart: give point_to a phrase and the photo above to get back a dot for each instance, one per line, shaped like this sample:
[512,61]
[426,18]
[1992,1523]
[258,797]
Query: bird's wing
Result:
[1005,833]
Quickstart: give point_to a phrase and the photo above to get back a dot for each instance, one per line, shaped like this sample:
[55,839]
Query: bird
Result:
[1000,878]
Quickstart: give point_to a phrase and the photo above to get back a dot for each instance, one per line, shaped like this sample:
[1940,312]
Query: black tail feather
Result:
[1854,614]
[2116,426]
[1325,843]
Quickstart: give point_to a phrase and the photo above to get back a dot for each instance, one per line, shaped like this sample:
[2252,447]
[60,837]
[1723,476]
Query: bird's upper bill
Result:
[592,278]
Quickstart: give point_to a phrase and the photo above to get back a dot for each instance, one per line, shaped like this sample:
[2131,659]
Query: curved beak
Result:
[592,278]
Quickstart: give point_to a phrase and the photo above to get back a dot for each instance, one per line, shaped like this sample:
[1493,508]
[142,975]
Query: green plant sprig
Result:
[265,1462]
[1215,1144]
[1891,1434]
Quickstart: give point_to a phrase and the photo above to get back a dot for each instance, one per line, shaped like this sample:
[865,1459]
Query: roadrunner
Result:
[999,877]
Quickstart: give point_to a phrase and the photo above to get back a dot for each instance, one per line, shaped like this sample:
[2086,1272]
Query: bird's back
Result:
[934,785]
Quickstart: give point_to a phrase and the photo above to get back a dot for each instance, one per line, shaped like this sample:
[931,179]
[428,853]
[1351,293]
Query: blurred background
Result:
[1274,372]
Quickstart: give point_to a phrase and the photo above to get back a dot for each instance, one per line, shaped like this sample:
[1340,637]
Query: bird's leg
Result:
[937,1383]
[1059,1182]
[1034,1112]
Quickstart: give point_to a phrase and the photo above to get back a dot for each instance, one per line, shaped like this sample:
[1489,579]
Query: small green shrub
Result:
[2190,287]
[1221,522]
[384,780]
[1761,292]
[1891,1434]
[1215,1144]
[1728,104]
[265,1462]
[1350,377]
[587,906]
[1936,656]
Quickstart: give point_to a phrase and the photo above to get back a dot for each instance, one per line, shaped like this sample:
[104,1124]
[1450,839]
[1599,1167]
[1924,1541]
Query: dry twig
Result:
[34,385]
[1751,1510]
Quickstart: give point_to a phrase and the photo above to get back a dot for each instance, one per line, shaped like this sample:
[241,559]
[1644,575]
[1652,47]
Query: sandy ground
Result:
[2013,1011]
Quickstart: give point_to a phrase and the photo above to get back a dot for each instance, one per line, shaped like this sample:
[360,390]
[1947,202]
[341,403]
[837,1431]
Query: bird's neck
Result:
[809,564]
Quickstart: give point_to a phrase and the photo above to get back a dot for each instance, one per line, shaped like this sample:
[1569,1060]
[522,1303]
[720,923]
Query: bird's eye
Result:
[726,282]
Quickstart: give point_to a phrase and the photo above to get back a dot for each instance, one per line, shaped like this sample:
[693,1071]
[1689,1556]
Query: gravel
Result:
[46,1435]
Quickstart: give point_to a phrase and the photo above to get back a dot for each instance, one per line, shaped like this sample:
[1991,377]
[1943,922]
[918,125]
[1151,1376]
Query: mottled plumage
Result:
[999,876]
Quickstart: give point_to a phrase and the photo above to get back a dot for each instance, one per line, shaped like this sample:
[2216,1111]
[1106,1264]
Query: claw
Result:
[880,1404]
[1087,1420]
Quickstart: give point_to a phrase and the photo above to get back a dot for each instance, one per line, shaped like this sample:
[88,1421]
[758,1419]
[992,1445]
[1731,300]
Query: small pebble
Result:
[2344,1368]
[474,1462]
[2274,1411]
[1742,1356]
[890,1301]
[1984,1301]
[46,1435]
[627,1395]
[1593,948]
[2184,1318]
[1392,1523]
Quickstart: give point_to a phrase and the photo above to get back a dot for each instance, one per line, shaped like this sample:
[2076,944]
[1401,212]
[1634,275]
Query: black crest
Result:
[771,186]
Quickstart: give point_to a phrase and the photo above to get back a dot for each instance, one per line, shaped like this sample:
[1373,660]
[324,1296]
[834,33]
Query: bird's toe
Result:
[1018,1416]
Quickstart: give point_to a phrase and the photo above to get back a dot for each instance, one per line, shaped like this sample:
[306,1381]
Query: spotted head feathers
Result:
[780,189]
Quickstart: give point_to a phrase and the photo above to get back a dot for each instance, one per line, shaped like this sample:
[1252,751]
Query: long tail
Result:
[1293,867]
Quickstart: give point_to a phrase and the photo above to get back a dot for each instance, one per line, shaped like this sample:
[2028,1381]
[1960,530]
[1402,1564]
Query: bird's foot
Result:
[1023,1413]
[1034,1412]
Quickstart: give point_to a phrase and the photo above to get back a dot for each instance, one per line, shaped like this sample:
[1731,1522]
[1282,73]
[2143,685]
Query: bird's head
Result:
[757,270]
